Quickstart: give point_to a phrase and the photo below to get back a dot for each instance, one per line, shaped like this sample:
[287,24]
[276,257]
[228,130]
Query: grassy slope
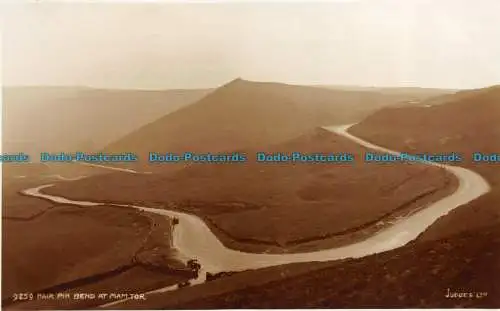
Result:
[460,251]
[244,114]
[415,276]
[291,207]
[63,247]
[467,122]
[55,119]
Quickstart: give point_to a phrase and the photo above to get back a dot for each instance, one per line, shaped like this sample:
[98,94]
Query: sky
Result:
[154,45]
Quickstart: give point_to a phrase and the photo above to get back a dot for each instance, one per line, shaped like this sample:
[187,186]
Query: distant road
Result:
[193,238]
[126,170]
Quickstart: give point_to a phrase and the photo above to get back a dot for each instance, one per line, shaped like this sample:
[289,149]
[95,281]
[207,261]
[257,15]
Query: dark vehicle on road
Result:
[183,284]
[194,265]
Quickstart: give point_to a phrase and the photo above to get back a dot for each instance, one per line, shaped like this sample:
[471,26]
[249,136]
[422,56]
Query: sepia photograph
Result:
[340,154]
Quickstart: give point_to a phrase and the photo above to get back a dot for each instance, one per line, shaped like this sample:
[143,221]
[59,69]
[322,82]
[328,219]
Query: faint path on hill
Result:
[126,170]
[193,238]
[66,178]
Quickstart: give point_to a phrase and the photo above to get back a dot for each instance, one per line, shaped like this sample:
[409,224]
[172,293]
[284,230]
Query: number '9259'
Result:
[22,296]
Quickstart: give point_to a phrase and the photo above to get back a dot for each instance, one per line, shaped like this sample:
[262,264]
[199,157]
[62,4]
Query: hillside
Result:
[55,119]
[244,114]
[466,122]
[402,95]
[77,249]
[292,207]
[458,253]
[414,276]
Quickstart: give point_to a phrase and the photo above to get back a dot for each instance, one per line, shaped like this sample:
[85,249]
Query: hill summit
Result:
[245,114]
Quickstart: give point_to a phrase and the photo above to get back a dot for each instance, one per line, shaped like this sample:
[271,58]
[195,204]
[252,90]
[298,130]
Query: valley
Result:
[306,216]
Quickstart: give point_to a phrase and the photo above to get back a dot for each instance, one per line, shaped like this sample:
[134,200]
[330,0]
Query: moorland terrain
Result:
[291,208]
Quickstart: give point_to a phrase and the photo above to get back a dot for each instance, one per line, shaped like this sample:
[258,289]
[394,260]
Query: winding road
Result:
[193,238]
